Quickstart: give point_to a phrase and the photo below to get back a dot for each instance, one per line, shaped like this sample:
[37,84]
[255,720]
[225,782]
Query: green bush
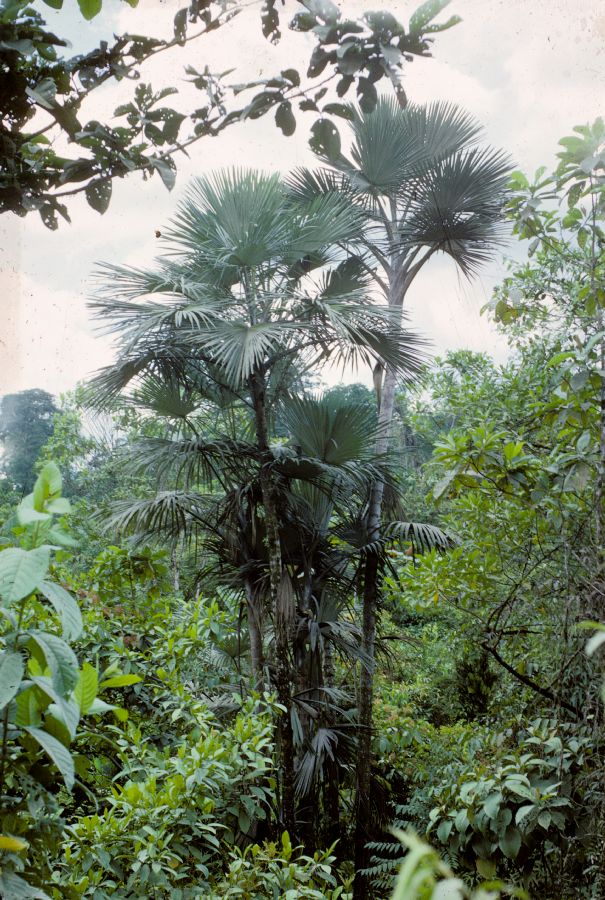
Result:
[511,809]
[165,833]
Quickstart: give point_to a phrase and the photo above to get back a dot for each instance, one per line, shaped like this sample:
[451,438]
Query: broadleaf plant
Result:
[43,690]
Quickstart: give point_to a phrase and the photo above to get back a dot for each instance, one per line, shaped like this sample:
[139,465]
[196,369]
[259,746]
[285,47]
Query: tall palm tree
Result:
[257,286]
[428,187]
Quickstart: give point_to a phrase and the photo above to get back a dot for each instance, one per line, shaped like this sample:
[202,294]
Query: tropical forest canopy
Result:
[267,638]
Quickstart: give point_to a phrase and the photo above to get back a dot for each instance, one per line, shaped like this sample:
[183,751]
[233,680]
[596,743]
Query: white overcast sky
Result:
[528,69]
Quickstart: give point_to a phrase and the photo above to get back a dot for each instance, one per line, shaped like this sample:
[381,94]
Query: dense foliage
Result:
[290,641]
[54,146]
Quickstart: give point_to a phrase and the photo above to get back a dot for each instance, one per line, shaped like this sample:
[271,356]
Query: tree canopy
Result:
[54,147]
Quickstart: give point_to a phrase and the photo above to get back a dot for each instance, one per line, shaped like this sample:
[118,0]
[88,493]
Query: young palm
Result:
[254,290]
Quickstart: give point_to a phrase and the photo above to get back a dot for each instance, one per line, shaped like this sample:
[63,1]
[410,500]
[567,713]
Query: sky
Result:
[529,71]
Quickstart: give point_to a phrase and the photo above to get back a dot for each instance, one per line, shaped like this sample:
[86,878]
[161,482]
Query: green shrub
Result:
[510,810]
[44,692]
[165,834]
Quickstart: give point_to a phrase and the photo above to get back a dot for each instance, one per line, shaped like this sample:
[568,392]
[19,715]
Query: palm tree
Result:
[255,290]
[427,187]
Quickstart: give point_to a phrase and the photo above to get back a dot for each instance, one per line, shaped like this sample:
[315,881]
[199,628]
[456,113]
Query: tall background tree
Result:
[26,423]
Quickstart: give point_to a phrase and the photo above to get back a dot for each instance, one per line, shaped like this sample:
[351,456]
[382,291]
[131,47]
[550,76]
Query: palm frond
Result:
[169,398]
[196,460]
[168,515]
[305,184]
[330,431]
[457,207]
[422,535]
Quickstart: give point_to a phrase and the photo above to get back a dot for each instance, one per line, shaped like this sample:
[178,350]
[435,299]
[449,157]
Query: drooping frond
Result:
[168,515]
[192,461]
[422,535]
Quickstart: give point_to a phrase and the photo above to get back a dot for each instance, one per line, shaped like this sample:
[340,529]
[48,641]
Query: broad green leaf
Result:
[66,711]
[61,538]
[367,94]
[166,170]
[324,9]
[524,811]
[43,94]
[98,194]
[48,485]
[444,829]
[583,442]
[292,76]
[16,888]
[492,805]
[344,110]
[120,681]
[284,118]
[303,21]
[11,675]
[66,607]
[54,4]
[90,8]
[21,571]
[384,22]
[60,659]
[510,842]
[521,790]
[86,689]
[60,506]
[486,867]
[59,754]
[27,515]
[180,25]
[56,727]
[325,139]
[98,707]
[544,819]
[426,13]
[29,710]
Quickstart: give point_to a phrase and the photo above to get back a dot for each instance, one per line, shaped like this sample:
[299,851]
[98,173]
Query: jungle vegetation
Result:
[267,637]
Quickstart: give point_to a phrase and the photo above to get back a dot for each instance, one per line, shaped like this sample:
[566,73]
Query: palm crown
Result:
[425,182]
[255,281]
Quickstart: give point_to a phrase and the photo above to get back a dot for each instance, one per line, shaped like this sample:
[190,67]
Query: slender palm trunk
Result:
[371,582]
[255,634]
[331,784]
[281,602]
[370,599]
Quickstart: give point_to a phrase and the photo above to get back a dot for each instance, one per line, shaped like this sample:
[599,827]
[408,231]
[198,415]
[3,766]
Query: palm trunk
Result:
[370,600]
[371,579]
[255,634]
[331,784]
[281,602]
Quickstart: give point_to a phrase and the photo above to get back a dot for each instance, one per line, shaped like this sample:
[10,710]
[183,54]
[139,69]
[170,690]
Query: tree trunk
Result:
[282,604]
[255,634]
[331,783]
[371,579]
